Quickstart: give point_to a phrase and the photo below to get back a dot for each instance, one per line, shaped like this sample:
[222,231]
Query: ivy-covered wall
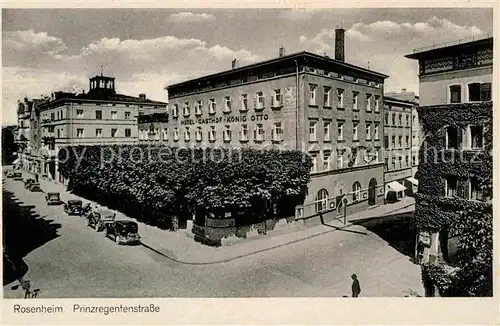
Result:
[470,220]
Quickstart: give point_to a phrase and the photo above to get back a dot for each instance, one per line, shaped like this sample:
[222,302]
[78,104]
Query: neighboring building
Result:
[100,116]
[322,106]
[416,129]
[455,170]
[398,178]
[24,134]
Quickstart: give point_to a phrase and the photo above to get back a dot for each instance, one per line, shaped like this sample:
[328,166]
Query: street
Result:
[71,260]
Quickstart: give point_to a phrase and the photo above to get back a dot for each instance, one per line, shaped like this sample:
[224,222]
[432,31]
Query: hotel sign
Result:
[225,119]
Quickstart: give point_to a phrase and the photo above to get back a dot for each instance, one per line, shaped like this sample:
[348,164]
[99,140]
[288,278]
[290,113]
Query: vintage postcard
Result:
[291,163]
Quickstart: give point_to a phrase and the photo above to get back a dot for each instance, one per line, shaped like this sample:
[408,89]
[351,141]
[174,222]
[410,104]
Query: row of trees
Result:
[156,183]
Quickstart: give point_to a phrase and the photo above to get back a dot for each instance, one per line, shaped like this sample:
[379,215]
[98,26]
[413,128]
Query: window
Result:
[455,94]
[98,132]
[258,132]
[400,161]
[340,98]
[450,186]
[452,138]
[165,134]
[79,114]
[407,141]
[377,103]
[393,142]
[326,131]
[414,160]
[212,134]
[114,115]
[277,98]
[376,135]
[368,102]
[187,134]
[176,133]
[474,92]
[355,130]
[127,115]
[414,119]
[327,96]
[244,102]
[356,191]
[368,131]
[321,200]
[227,104]
[128,132]
[58,115]
[244,132]
[476,137]
[326,160]
[386,141]
[199,134]
[377,150]
[227,133]
[485,92]
[355,100]
[407,119]
[197,107]
[340,131]
[98,115]
[212,106]
[340,159]
[394,119]
[175,110]
[312,130]
[400,138]
[386,163]
[475,190]
[387,119]
[407,160]
[185,109]
[114,132]
[277,132]
[79,133]
[314,167]
[259,101]
[312,94]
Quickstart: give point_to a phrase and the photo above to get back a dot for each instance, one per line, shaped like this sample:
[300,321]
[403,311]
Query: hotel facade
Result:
[325,107]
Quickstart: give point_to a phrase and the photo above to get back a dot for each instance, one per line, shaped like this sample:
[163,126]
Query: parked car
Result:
[73,207]
[123,232]
[98,219]
[53,198]
[28,182]
[18,176]
[8,173]
[35,187]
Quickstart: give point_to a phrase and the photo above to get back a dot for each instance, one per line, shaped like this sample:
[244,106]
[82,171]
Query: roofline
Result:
[68,99]
[423,52]
[278,59]
[392,99]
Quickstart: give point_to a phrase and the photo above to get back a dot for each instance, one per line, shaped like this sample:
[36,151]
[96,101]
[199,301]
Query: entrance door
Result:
[372,192]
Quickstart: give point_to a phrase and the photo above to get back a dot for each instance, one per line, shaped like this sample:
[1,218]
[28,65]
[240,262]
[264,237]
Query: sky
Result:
[47,50]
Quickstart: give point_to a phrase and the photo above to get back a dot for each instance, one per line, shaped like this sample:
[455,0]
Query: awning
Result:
[395,186]
[413,180]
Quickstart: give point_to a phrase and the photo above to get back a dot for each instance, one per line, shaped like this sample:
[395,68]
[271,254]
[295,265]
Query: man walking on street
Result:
[356,289]
[36,177]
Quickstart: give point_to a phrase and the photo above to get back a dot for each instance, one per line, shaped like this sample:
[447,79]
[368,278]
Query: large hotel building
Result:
[326,107]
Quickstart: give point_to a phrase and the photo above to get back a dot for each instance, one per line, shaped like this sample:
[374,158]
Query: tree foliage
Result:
[9,147]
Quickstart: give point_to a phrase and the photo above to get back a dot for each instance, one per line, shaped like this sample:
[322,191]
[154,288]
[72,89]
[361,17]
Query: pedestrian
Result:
[36,177]
[356,289]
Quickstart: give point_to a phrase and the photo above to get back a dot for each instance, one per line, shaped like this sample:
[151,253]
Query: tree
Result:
[9,147]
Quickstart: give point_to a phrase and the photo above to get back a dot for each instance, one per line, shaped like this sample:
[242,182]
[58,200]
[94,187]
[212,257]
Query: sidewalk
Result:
[180,247]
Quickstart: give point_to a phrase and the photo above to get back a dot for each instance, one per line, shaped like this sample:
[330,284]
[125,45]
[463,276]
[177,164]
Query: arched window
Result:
[356,191]
[321,200]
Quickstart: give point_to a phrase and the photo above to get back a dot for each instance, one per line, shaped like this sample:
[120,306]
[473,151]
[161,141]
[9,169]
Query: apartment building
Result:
[455,168]
[398,178]
[100,116]
[325,107]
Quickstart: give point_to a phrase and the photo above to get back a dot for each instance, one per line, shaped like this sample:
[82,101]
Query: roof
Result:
[392,99]
[450,47]
[126,222]
[302,54]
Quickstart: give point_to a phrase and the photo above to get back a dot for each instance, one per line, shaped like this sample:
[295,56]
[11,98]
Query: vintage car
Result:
[28,182]
[73,207]
[123,232]
[35,187]
[99,218]
[8,173]
[53,198]
[18,176]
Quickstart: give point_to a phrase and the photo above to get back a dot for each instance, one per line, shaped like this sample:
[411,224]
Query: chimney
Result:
[142,96]
[339,44]
[282,51]
[403,90]
[235,63]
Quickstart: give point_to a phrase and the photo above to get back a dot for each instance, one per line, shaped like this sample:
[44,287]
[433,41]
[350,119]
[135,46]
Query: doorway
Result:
[372,192]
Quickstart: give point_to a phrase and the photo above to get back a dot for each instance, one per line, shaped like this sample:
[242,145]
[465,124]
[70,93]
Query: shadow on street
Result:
[396,229]
[23,231]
